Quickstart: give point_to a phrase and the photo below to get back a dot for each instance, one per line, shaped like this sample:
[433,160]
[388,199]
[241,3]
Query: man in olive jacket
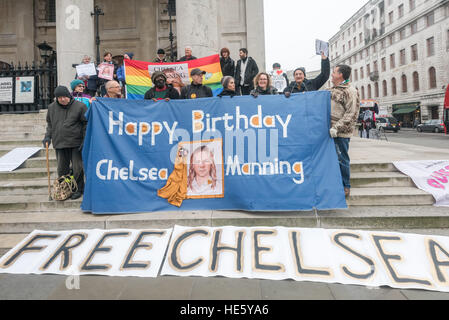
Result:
[66,128]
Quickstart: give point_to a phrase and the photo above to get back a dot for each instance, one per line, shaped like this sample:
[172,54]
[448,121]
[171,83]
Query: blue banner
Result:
[269,153]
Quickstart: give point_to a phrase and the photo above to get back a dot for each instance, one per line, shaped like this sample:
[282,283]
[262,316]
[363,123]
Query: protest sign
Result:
[431,176]
[14,159]
[24,90]
[322,46]
[351,257]
[278,79]
[86,70]
[271,158]
[106,71]
[6,88]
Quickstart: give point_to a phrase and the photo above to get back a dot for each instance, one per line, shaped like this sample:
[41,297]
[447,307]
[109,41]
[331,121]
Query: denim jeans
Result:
[342,147]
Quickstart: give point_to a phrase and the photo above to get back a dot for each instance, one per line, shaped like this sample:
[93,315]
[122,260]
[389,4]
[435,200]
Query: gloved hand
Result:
[287,94]
[45,141]
[255,94]
[333,132]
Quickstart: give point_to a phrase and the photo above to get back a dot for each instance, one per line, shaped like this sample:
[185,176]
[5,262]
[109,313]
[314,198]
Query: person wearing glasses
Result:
[78,94]
[113,90]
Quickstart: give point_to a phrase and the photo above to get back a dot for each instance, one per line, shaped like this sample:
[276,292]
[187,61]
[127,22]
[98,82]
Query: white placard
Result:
[278,80]
[14,159]
[24,90]
[121,253]
[322,46]
[6,86]
[431,176]
[86,70]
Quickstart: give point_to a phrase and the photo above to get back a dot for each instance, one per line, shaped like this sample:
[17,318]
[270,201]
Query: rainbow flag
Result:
[138,74]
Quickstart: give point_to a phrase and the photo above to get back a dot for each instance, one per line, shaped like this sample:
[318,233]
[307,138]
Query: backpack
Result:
[63,188]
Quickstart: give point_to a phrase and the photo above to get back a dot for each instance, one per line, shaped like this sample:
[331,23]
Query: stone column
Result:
[255,32]
[74,36]
[197,27]
[25,31]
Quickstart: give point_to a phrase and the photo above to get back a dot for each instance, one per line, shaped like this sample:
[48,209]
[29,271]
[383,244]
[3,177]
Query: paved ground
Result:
[426,139]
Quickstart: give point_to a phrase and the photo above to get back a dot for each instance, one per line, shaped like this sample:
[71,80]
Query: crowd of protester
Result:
[239,78]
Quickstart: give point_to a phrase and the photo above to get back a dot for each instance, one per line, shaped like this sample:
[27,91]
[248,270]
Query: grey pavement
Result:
[425,139]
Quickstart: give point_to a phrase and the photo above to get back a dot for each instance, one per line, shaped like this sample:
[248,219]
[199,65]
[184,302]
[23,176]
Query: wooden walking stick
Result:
[48,172]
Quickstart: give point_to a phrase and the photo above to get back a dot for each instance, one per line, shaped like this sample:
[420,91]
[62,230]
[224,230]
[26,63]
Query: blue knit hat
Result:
[75,83]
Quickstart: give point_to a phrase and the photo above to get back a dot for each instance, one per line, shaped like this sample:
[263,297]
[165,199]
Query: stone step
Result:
[27,173]
[39,162]
[42,114]
[24,187]
[373,167]
[34,203]
[16,143]
[51,152]
[380,179]
[21,135]
[358,218]
[393,196]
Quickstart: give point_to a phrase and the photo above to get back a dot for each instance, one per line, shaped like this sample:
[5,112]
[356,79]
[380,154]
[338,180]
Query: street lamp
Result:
[45,51]
[171,12]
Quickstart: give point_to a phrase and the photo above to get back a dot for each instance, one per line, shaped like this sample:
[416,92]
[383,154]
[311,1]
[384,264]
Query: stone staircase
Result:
[381,198]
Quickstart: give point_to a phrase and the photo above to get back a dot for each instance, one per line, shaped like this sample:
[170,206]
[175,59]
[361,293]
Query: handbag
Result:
[63,188]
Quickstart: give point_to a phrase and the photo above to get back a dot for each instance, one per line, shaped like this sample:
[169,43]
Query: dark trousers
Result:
[64,158]
[342,147]
[244,90]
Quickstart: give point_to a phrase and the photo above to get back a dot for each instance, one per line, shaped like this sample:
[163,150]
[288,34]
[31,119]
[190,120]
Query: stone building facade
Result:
[399,52]
[138,26]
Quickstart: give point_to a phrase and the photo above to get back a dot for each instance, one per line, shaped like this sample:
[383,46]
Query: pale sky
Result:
[292,26]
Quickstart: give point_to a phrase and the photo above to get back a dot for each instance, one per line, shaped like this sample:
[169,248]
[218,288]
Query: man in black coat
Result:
[302,84]
[245,72]
[66,129]
[196,89]
[161,90]
[188,56]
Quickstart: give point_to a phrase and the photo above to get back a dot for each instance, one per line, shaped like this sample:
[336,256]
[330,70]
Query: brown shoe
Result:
[347,192]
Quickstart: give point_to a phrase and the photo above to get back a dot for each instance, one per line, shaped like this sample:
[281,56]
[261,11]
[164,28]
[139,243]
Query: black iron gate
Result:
[45,82]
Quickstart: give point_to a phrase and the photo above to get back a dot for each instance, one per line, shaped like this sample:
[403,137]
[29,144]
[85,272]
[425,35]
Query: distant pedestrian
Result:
[161,90]
[196,89]
[345,107]
[228,84]
[302,84]
[226,63]
[188,55]
[245,72]
[66,129]
[262,84]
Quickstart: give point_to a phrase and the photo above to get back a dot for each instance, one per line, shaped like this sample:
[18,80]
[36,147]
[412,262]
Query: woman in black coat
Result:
[227,64]
[228,83]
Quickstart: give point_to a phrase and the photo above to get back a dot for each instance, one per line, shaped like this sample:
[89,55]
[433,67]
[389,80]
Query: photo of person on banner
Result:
[106,71]
[205,171]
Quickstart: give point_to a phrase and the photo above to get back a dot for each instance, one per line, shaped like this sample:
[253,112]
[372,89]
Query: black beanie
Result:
[62,91]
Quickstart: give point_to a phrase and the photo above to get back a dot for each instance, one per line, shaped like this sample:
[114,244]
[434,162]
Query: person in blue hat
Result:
[121,69]
[78,94]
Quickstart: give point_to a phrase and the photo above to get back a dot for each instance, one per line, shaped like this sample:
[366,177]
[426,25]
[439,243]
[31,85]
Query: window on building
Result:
[362,74]
[376,90]
[414,52]
[363,93]
[412,4]
[361,37]
[384,64]
[415,81]
[402,57]
[369,92]
[392,61]
[390,17]
[368,70]
[356,75]
[355,41]
[402,34]
[391,39]
[394,90]
[383,44]
[375,66]
[430,19]
[414,27]
[50,10]
[432,78]
[404,83]
[384,88]
[374,48]
[401,11]
[430,47]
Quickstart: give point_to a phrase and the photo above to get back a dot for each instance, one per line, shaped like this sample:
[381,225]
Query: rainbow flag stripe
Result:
[138,80]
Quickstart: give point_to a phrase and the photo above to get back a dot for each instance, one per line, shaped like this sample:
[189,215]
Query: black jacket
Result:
[194,91]
[314,84]
[268,91]
[227,93]
[251,72]
[66,125]
[172,93]
[227,67]
[187,59]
